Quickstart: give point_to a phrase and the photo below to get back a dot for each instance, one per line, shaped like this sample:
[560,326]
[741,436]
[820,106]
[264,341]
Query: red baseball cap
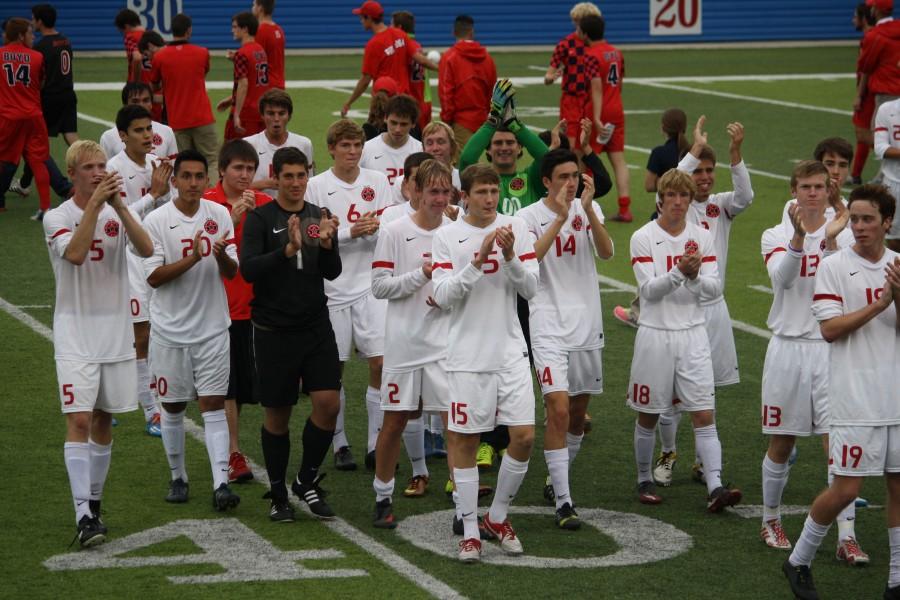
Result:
[884,6]
[387,85]
[370,9]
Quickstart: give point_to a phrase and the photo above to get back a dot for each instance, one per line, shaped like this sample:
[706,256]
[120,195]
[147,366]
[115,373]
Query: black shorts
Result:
[61,116]
[240,379]
[284,359]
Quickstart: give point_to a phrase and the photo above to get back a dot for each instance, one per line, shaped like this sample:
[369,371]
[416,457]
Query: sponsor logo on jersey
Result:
[313,230]
[712,211]
[367,194]
[691,247]
[211,227]
[577,223]
[516,184]
[111,228]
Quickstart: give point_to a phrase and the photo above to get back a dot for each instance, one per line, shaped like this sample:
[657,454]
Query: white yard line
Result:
[762,288]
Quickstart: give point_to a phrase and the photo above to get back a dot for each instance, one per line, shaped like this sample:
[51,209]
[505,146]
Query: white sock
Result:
[846,519]
[172,427]
[894,539]
[558,466]
[340,436]
[148,403]
[809,542]
[383,491]
[376,416]
[573,443]
[668,429]
[100,457]
[644,440]
[509,479]
[77,456]
[710,450]
[774,479]
[436,424]
[215,430]
[455,497]
[467,491]
[414,440]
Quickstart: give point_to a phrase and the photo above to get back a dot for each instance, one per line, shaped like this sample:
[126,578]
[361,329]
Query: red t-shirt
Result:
[250,62]
[182,69]
[131,46]
[238,291]
[271,37]
[388,54]
[612,71]
[21,98]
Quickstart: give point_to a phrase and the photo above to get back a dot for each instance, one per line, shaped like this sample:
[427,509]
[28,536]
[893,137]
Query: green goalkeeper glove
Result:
[510,119]
[502,94]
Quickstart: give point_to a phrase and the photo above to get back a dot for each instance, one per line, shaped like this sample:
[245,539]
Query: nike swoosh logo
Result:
[334,192]
[658,243]
[467,514]
[463,240]
[377,157]
[853,273]
[544,224]
[278,230]
[261,152]
[131,176]
[172,226]
[410,239]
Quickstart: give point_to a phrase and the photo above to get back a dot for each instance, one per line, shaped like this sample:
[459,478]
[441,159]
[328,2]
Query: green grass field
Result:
[673,550]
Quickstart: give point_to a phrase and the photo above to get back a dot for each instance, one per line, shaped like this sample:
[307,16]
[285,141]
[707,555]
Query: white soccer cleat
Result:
[665,464]
[772,533]
[848,551]
[509,543]
[470,550]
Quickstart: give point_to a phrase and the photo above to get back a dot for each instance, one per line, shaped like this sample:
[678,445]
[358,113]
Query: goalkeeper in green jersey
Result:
[502,138]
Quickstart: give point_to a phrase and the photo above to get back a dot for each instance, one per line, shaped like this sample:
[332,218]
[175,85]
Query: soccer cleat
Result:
[459,529]
[792,457]
[697,473]
[647,493]
[448,488]
[861,503]
[722,497]
[439,449]
[891,593]
[370,460]
[622,217]
[417,487]
[152,427]
[848,551]
[313,495]
[384,515]
[588,423]
[16,188]
[549,493]
[281,510]
[238,471]
[506,535]
[470,550]
[94,505]
[567,518]
[90,532]
[224,498]
[772,533]
[623,315]
[801,581]
[665,464]
[178,491]
[343,459]
[38,216]
[484,490]
[485,457]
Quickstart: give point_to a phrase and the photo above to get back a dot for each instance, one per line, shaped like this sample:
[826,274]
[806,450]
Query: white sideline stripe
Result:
[681,88]
[97,120]
[377,550]
[762,288]
[726,167]
[33,306]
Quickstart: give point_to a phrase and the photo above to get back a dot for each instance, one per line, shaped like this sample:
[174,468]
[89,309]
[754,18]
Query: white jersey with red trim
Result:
[379,156]
[91,317]
[193,307]
[135,190]
[396,212]
[266,150]
[865,363]
[415,331]
[887,135]
[163,141]
[485,335]
[565,312]
[669,300]
[348,202]
[793,278]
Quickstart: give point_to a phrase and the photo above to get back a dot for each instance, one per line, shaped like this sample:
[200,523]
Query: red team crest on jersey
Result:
[367,194]
[111,228]
[516,184]
[577,223]
[157,140]
[712,211]
[822,245]
[691,247]
[312,231]
[211,227]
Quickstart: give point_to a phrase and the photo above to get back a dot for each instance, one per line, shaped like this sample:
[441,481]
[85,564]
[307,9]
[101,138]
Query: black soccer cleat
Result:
[567,518]
[384,515]
[90,532]
[224,498]
[549,493]
[280,510]
[343,459]
[178,491]
[459,529]
[313,495]
[801,581]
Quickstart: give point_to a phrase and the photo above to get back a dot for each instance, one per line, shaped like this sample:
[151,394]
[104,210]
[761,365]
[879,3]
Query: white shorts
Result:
[401,390]
[894,188]
[864,450]
[574,371]
[139,290]
[185,372]
[110,387]
[360,324]
[721,343]
[669,368]
[795,387]
[481,401]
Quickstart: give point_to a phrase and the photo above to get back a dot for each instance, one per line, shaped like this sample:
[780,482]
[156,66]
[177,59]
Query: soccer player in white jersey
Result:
[675,265]
[836,154]
[715,213]
[386,152]
[92,338]
[439,142]
[887,149]
[795,385]
[409,199]
[276,109]
[145,185]
[480,262]
[565,319]
[357,197]
[414,376]
[163,137]
[854,290]
[193,248]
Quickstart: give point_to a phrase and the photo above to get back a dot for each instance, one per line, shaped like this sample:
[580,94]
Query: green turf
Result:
[727,559]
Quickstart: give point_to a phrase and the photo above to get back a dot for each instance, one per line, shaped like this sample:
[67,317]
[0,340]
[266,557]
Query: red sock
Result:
[624,203]
[859,159]
[42,180]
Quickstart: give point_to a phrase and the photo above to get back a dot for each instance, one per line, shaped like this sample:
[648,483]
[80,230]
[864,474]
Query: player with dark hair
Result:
[419,86]
[251,80]
[149,44]
[276,109]
[129,24]
[140,94]
[864,103]
[270,36]
[387,152]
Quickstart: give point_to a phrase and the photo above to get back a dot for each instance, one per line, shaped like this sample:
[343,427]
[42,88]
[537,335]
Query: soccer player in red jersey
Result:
[251,80]
[419,87]
[151,43]
[129,23]
[22,126]
[270,36]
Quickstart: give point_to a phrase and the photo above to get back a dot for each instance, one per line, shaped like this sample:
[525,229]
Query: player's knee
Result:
[780,447]
[703,418]
[522,439]
[394,423]
[174,407]
[78,426]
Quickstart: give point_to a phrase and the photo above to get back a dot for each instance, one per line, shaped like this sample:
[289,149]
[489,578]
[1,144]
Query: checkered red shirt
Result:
[241,63]
[569,54]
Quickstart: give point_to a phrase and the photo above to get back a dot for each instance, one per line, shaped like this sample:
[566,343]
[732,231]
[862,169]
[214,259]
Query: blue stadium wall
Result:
[330,24]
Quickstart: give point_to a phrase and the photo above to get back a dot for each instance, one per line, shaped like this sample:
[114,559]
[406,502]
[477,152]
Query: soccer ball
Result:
[434,56]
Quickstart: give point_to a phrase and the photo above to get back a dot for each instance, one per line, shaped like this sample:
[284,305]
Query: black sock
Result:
[276,452]
[316,443]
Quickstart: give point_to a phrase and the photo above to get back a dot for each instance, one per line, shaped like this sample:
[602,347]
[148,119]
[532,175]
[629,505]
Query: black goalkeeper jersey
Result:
[58,85]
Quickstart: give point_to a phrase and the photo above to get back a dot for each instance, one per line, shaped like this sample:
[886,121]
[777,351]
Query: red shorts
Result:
[251,126]
[863,117]
[572,109]
[617,142]
[24,137]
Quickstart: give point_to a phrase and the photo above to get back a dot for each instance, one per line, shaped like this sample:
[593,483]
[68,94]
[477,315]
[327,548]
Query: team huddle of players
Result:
[261,286]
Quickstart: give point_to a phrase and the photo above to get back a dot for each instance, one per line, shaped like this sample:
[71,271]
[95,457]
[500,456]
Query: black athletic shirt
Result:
[57,53]
[665,157]
[286,297]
